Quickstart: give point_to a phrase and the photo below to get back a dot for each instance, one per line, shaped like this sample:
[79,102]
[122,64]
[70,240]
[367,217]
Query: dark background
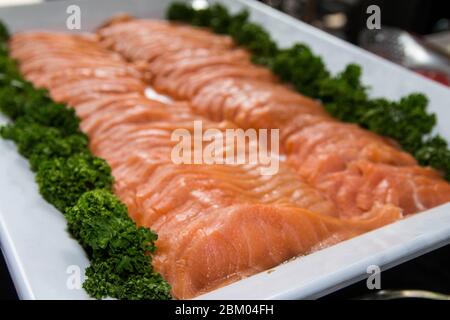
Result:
[7,290]
[421,17]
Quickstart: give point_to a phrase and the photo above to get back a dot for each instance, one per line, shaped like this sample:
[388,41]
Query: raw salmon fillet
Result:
[353,167]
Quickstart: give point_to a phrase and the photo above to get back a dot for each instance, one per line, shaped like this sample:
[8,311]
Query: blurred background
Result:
[414,33]
[347,18]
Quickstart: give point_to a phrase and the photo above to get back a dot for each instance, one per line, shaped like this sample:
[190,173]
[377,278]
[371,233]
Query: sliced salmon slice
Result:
[199,257]
[364,183]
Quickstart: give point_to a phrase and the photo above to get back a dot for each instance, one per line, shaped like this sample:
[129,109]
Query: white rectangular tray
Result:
[40,252]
